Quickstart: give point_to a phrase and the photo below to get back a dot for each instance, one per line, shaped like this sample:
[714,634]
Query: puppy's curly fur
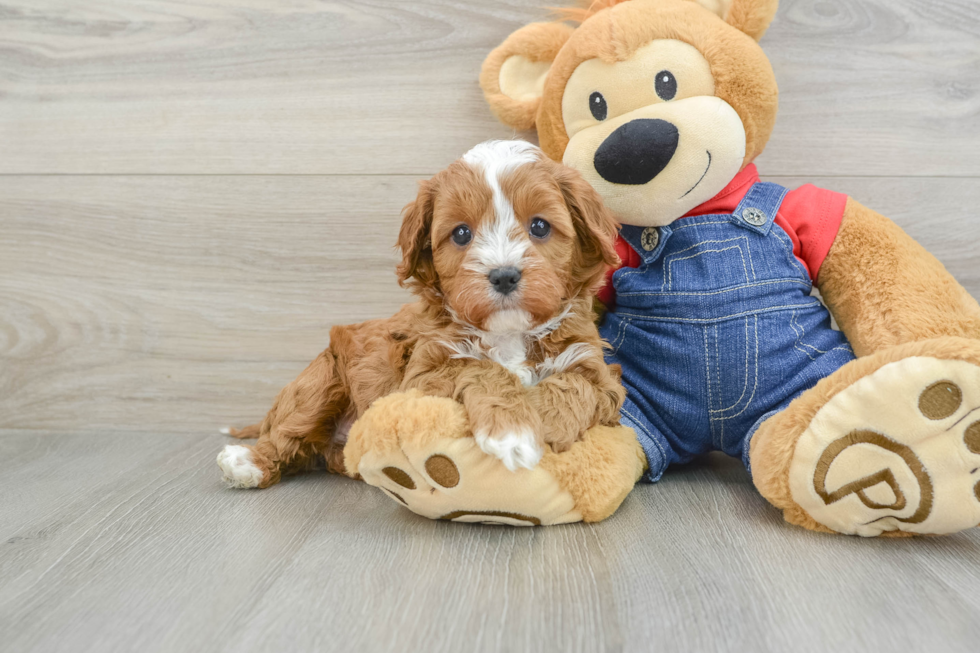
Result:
[526,362]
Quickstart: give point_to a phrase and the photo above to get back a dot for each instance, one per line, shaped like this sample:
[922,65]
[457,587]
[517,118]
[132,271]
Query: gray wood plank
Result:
[869,87]
[730,575]
[138,313]
[876,87]
[146,289]
[127,541]
[183,303]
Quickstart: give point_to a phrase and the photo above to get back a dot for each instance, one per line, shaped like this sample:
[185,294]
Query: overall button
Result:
[755,217]
[649,238]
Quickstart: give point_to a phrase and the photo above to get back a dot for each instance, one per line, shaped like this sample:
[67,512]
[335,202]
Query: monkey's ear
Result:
[513,74]
[749,16]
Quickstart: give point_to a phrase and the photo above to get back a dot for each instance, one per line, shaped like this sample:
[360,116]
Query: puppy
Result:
[504,250]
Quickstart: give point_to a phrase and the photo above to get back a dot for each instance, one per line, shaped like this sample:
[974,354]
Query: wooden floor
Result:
[193,191]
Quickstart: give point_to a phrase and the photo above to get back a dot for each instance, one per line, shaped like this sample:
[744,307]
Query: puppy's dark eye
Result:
[462,235]
[665,85]
[597,105]
[540,228]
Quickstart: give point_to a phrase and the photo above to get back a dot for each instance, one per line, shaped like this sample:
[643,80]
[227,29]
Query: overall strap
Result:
[648,242]
[758,208]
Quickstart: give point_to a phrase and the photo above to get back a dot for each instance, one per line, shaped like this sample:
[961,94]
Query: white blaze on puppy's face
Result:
[506,242]
[493,274]
[493,195]
[501,242]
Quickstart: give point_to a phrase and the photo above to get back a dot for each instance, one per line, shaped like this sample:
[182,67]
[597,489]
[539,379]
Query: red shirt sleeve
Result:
[627,259]
[811,216]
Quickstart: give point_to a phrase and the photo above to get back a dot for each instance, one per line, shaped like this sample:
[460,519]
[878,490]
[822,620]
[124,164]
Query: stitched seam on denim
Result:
[670,271]
[745,384]
[721,424]
[844,347]
[755,387]
[663,454]
[801,333]
[669,260]
[708,320]
[717,425]
[707,378]
[706,242]
[620,335]
[619,332]
[643,268]
[717,366]
[748,250]
[714,292]
[727,220]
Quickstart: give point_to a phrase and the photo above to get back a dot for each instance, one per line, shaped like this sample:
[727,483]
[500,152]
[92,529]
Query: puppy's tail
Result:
[244,434]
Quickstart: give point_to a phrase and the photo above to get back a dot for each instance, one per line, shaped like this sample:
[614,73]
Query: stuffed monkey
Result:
[662,105]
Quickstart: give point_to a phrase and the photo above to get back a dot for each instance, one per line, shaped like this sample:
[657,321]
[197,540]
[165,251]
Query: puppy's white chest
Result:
[509,348]
[510,351]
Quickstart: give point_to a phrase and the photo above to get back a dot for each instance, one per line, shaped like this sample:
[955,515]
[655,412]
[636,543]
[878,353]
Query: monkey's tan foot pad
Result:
[420,451]
[899,450]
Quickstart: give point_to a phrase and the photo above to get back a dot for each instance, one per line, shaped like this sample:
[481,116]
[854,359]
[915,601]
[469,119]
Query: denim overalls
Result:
[716,331]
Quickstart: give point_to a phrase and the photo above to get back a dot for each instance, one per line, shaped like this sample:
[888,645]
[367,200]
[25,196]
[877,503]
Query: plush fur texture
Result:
[890,297]
[536,42]
[404,419]
[613,33]
[885,289]
[527,365]
[597,471]
[749,16]
[774,443]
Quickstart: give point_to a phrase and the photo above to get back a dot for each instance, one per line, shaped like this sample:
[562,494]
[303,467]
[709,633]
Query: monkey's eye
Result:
[597,105]
[540,228]
[665,85]
[462,235]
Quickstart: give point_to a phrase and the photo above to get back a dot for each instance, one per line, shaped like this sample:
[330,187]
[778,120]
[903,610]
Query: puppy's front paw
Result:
[561,437]
[516,447]
[237,467]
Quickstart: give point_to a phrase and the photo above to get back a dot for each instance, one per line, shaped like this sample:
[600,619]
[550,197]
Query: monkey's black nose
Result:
[636,152]
[504,280]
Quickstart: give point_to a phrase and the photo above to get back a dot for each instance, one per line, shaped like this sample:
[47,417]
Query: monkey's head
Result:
[657,103]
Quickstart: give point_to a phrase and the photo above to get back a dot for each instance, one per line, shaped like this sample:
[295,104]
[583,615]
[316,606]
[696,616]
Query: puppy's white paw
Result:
[517,448]
[236,464]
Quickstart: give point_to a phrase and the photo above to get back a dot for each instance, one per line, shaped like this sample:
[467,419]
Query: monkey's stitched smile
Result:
[701,179]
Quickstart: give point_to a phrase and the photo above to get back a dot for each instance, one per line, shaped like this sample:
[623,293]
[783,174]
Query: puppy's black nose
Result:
[504,280]
[636,152]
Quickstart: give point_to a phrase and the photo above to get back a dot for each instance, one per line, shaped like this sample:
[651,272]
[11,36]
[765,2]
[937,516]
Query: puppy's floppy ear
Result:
[595,226]
[749,16]
[417,270]
[513,74]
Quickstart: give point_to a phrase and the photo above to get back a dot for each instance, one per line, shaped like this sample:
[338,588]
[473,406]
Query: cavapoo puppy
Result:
[504,250]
